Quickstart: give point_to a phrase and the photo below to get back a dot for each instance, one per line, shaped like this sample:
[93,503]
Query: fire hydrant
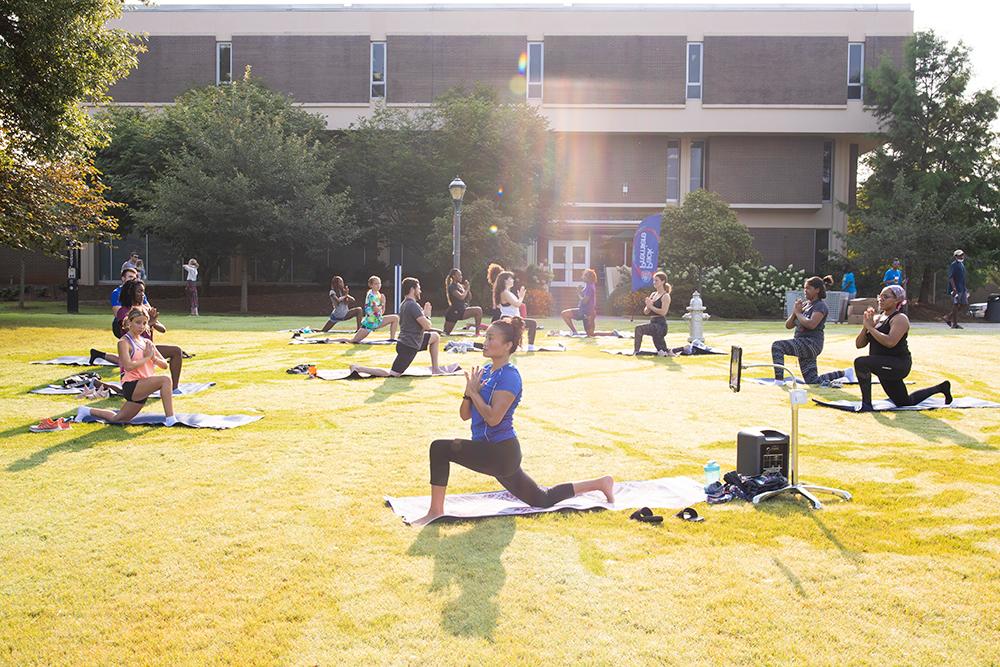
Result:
[696,313]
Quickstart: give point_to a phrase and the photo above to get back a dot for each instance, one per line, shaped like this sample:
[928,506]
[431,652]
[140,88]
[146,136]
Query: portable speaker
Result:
[760,451]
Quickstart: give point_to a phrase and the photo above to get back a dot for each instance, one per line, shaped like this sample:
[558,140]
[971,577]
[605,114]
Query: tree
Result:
[934,185]
[251,175]
[55,57]
[702,232]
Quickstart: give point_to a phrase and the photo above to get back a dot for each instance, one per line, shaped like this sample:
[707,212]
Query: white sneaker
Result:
[170,421]
[850,375]
[82,412]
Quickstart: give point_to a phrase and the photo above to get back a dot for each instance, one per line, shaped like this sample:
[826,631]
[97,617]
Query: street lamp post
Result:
[457,190]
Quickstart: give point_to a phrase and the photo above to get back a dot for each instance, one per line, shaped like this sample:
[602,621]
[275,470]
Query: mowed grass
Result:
[270,544]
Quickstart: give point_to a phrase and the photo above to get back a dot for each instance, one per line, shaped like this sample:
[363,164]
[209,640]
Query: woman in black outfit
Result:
[657,305]
[889,356]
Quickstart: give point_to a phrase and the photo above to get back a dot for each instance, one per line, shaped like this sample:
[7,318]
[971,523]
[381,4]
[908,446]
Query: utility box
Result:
[760,451]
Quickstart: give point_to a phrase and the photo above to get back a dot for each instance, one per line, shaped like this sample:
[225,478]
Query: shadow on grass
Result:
[77,444]
[930,429]
[471,561]
[788,505]
[390,387]
[791,576]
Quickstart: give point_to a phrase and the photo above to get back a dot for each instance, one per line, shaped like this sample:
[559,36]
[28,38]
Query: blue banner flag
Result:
[645,252]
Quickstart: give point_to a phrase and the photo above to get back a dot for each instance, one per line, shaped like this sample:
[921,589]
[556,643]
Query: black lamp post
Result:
[457,190]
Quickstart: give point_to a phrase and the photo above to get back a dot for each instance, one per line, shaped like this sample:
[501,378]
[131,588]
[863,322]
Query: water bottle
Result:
[711,472]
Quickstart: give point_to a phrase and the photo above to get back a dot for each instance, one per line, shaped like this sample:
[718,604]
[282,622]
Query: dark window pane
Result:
[378,90]
[694,63]
[577,276]
[827,170]
[579,255]
[378,62]
[673,171]
[558,254]
[694,92]
[854,63]
[697,165]
[535,63]
[534,91]
[225,63]
[854,92]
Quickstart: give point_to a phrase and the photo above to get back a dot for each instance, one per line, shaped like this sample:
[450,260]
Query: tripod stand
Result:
[796,397]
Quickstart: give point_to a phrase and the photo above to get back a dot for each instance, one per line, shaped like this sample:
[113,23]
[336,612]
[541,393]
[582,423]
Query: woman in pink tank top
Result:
[137,357]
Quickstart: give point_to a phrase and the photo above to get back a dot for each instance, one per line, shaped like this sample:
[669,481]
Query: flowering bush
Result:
[765,286]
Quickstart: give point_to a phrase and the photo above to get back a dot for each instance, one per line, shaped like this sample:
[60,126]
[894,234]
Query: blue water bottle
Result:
[711,472]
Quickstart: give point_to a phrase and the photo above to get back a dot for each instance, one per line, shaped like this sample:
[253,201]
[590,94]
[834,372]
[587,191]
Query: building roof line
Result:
[555,6]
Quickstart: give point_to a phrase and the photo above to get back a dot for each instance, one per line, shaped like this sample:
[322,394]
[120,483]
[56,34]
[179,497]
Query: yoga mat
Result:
[686,351]
[552,347]
[666,493]
[324,341]
[932,403]
[842,382]
[413,371]
[75,361]
[581,334]
[192,420]
[185,388]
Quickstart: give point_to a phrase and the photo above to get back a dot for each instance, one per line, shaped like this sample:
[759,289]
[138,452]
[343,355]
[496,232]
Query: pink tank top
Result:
[138,348]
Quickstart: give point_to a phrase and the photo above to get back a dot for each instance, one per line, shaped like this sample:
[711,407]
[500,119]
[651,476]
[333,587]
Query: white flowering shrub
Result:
[765,285]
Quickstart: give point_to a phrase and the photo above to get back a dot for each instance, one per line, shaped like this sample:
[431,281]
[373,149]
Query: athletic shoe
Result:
[45,426]
[957,326]
[849,375]
[62,424]
[94,354]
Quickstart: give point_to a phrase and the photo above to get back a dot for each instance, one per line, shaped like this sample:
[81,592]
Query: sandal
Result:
[645,515]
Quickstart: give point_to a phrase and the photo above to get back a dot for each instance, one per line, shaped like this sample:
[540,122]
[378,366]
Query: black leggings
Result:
[657,330]
[499,459]
[891,371]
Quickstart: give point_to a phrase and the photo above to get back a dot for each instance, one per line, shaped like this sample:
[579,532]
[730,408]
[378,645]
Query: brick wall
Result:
[172,65]
[766,170]
[311,68]
[775,70]
[593,167]
[615,69]
[891,47]
[422,67]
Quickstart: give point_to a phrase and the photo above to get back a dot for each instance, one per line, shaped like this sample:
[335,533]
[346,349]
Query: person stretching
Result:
[341,300]
[415,335]
[657,305]
[510,305]
[191,284]
[458,293]
[492,394]
[134,294]
[375,317]
[136,357]
[587,310]
[808,318]
[888,356]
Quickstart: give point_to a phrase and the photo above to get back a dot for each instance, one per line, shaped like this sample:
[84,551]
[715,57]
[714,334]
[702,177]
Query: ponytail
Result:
[447,283]
[513,329]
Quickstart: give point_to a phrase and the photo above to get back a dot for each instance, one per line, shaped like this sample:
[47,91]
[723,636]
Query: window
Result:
[568,260]
[223,62]
[536,66]
[694,70]
[855,70]
[827,170]
[378,70]
[697,165]
[673,171]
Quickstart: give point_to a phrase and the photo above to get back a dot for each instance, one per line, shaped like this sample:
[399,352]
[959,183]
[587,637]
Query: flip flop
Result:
[689,514]
[645,515]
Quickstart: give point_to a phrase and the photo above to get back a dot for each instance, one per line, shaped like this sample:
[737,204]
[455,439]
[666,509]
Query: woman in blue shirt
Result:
[849,285]
[492,393]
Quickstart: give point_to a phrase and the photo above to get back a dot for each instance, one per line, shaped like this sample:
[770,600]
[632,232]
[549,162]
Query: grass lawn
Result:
[269,544]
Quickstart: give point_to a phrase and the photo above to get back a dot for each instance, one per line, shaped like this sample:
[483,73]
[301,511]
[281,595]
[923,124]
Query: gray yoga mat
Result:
[932,403]
[185,388]
[842,382]
[192,420]
[343,341]
[580,334]
[412,371]
[71,360]
[686,351]
[551,347]
[664,493]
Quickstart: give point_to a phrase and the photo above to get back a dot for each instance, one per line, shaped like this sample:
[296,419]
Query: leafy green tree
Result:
[55,57]
[251,175]
[934,185]
[703,232]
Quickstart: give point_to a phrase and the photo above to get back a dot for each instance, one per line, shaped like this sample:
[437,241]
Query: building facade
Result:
[763,104]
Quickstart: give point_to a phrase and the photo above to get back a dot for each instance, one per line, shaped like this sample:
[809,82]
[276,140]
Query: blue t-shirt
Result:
[893,277]
[116,298]
[847,284]
[956,274]
[505,378]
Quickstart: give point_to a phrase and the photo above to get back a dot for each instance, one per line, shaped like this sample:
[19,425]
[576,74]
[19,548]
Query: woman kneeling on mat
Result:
[510,305]
[657,305]
[492,393]
[458,292]
[888,354]
[375,317]
[136,357]
[587,310]
[808,318]
[341,300]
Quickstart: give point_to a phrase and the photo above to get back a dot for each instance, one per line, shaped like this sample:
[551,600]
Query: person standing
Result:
[131,262]
[191,284]
[957,288]
[849,285]
[894,274]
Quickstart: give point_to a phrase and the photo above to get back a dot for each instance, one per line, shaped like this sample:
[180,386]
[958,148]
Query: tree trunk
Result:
[926,282]
[243,284]
[20,297]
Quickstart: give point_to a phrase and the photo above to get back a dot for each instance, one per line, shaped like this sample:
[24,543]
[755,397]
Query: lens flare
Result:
[522,63]
[500,191]
[517,84]
[493,229]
